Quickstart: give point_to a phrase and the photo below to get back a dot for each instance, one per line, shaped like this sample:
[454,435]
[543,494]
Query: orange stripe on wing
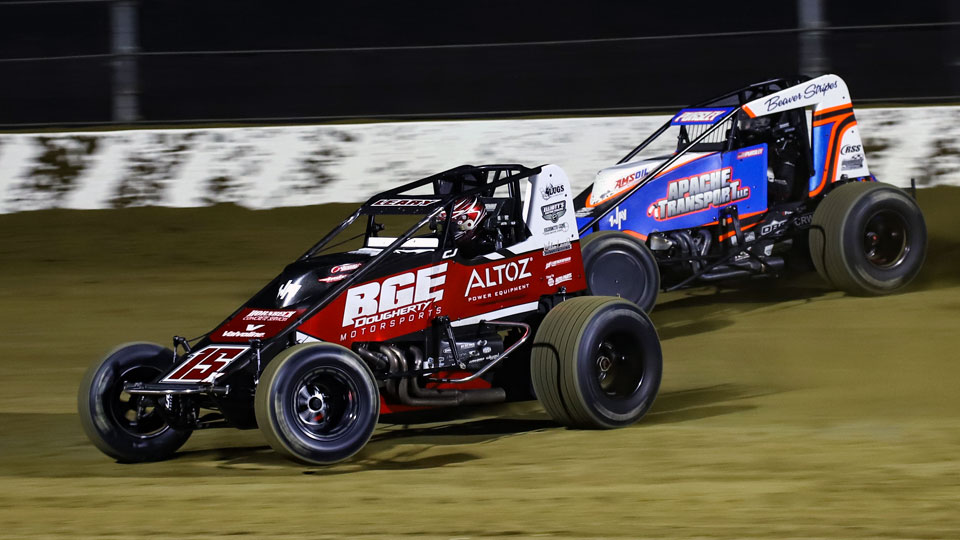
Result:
[833,153]
[822,112]
[830,146]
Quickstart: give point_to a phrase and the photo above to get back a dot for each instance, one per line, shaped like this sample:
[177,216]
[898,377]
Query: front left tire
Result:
[617,264]
[125,427]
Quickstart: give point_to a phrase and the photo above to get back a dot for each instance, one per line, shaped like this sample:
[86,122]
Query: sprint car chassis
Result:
[758,140]
[398,323]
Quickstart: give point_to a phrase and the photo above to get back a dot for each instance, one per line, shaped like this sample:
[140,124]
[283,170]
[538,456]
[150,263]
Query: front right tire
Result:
[317,403]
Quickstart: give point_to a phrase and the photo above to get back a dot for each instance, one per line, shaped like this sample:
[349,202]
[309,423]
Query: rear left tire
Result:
[596,363]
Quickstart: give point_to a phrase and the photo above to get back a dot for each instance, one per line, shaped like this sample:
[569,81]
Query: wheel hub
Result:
[325,403]
[604,364]
[137,415]
[617,373]
[885,239]
[315,405]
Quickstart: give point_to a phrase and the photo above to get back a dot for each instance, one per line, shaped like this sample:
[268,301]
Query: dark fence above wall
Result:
[219,61]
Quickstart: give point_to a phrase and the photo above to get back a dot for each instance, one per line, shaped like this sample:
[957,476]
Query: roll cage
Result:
[736,98]
[448,186]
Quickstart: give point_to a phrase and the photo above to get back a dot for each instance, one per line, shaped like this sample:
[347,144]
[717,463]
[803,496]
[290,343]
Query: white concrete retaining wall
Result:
[291,166]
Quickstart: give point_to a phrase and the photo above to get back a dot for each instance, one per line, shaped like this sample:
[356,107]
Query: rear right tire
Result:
[868,238]
[596,363]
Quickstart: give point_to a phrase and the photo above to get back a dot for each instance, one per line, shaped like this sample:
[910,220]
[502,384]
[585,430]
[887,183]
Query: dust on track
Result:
[787,409]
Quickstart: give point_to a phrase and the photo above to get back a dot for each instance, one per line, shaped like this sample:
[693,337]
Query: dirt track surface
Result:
[787,409]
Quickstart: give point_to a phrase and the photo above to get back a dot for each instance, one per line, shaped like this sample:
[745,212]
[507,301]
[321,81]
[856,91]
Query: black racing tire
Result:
[868,238]
[617,264]
[317,403]
[596,363]
[128,428]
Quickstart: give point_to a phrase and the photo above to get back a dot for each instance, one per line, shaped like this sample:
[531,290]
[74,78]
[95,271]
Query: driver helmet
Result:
[468,213]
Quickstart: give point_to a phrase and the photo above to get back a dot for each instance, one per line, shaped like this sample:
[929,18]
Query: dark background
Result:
[186,72]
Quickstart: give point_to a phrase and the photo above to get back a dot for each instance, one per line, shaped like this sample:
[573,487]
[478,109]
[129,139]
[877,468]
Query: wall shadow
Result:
[53,445]
[942,267]
[702,402]
[709,309]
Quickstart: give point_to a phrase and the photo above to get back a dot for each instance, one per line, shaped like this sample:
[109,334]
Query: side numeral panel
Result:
[204,364]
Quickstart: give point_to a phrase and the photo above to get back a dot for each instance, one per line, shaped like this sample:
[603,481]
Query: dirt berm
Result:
[787,409]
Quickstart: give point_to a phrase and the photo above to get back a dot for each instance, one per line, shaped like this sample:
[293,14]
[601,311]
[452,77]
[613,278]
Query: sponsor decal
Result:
[203,365]
[559,247]
[255,324]
[853,157]
[560,227]
[803,221]
[595,199]
[814,89]
[851,163]
[617,217]
[500,274]
[289,289]
[405,202]
[771,226]
[400,298]
[554,281]
[750,153]
[699,192]
[550,191]
[449,253]
[698,116]
[585,211]
[851,149]
[270,315]
[557,262]
[811,91]
[629,179]
[333,279]
[345,267]
[554,211]
[381,309]
[250,332]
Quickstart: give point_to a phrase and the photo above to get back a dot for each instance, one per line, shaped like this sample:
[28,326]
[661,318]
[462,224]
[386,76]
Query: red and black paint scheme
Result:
[737,197]
[397,293]
[430,317]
